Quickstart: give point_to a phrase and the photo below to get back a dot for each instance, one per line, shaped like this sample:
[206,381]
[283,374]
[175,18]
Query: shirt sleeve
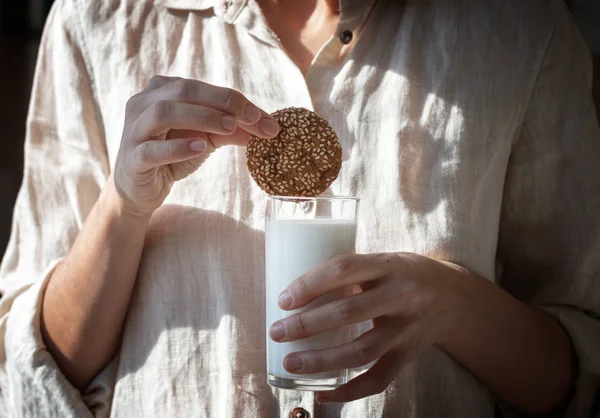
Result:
[549,243]
[66,166]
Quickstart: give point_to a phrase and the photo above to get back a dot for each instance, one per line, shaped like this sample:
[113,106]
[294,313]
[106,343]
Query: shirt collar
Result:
[354,10]
[227,9]
[186,4]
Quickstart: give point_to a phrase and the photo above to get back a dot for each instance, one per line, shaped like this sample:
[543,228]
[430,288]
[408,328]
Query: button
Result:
[299,413]
[346,37]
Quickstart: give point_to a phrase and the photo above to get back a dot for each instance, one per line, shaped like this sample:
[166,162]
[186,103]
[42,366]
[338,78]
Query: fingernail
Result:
[293,363]
[285,300]
[228,122]
[198,146]
[277,331]
[268,127]
[251,113]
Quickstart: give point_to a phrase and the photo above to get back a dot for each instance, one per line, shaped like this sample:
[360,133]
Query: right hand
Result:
[170,130]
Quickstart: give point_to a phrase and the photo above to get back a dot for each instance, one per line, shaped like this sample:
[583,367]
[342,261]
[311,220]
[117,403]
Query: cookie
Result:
[302,160]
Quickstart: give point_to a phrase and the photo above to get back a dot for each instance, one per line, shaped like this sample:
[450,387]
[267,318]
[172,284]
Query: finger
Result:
[140,101]
[151,154]
[183,169]
[370,346]
[266,127]
[333,315]
[240,137]
[338,271]
[163,116]
[373,381]
[182,133]
[251,118]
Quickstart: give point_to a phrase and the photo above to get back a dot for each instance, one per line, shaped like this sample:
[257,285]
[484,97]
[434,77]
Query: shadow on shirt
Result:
[196,321]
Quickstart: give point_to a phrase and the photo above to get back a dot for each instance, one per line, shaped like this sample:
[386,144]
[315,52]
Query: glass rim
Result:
[307,198]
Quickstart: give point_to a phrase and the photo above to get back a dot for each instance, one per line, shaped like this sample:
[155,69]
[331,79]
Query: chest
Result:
[426,137]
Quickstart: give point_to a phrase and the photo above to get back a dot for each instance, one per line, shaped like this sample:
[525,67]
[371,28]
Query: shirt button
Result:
[346,37]
[299,413]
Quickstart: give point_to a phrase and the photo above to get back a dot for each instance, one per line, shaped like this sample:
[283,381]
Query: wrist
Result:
[119,208]
[461,304]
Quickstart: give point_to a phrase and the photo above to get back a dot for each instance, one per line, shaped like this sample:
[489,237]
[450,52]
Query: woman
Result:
[134,278]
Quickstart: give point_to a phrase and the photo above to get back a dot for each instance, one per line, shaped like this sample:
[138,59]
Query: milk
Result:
[293,247]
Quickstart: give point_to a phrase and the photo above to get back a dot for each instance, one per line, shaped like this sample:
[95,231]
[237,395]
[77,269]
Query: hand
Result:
[412,300]
[170,130]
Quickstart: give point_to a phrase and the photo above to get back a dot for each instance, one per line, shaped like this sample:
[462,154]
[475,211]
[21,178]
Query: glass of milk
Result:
[301,232]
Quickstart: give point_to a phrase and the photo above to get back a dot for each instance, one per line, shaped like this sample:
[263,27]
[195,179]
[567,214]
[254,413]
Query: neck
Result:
[303,13]
[303,26]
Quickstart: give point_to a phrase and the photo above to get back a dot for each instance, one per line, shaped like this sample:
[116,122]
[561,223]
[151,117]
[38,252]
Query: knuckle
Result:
[317,363]
[172,148]
[340,266]
[132,104]
[300,324]
[161,110]
[184,89]
[389,258]
[156,81]
[301,286]
[202,116]
[346,309]
[366,351]
[140,156]
[232,100]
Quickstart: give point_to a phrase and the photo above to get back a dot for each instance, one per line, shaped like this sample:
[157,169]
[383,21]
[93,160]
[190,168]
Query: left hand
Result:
[413,301]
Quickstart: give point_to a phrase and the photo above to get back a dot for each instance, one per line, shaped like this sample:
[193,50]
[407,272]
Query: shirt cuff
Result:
[35,386]
[584,332]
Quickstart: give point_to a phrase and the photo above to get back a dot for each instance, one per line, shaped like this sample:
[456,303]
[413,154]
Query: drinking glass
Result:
[300,233]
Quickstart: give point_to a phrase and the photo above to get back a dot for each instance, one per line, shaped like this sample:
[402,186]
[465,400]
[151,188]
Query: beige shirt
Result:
[468,132]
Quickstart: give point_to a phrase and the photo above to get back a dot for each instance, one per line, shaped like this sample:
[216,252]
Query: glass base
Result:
[306,383]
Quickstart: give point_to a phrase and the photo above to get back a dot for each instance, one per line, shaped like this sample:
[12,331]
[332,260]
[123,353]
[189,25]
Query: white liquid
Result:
[293,247]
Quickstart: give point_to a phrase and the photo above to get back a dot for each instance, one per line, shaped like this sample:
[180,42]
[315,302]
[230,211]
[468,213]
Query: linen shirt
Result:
[468,131]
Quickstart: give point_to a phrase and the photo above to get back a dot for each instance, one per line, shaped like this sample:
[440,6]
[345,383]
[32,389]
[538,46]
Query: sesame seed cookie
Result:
[302,160]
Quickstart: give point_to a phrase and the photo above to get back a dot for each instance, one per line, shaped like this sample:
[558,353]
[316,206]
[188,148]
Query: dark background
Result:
[21,23]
